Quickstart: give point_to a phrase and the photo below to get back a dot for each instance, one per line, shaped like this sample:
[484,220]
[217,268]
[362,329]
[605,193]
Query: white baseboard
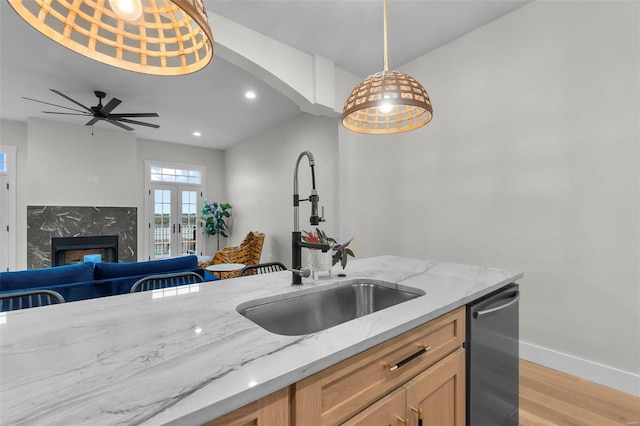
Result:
[608,376]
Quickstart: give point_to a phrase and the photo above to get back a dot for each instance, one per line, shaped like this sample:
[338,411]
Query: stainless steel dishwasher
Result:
[492,359]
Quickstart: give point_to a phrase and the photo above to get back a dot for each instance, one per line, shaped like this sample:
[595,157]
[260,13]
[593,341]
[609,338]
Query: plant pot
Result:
[319,262]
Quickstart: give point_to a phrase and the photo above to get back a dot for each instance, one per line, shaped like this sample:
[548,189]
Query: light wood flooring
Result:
[549,397]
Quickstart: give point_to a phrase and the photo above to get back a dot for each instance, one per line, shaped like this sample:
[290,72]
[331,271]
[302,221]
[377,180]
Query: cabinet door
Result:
[338,393]
[389,411]
[439,393]
[271,410]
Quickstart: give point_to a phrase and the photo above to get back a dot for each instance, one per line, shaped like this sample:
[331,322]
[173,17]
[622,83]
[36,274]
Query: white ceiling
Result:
[347,32]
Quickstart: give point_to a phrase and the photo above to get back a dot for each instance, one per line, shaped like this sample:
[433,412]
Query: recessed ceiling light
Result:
[250,95]
[197,134]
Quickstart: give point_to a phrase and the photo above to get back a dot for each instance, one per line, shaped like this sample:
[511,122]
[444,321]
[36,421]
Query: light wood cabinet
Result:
[422,369]
[389,411]
[338,393]
[438,394]
[268,411]
[435,397]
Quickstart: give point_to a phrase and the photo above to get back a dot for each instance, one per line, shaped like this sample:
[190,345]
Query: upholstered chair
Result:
[247,253]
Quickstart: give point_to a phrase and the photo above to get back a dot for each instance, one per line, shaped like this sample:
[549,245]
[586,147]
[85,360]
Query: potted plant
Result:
[340,252]
[214,214]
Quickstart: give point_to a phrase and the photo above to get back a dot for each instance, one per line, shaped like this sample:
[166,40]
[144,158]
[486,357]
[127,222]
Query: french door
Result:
[173,221]
[5,206]
[8,202]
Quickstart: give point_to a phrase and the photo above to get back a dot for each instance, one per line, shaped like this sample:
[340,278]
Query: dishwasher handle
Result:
[513,301]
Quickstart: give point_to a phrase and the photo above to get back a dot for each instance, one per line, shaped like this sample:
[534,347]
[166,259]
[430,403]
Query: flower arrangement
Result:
[341,252]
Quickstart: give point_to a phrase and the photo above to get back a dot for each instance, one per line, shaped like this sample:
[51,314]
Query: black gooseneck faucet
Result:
[296,240]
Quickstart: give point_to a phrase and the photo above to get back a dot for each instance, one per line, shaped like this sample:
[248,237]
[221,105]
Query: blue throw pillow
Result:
[107,270]
[46,277]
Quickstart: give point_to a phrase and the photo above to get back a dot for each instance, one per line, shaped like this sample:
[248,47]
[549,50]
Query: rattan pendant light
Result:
[161,37]
[387,102]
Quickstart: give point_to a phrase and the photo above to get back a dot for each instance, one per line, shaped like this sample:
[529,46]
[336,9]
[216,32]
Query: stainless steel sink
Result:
[306,312]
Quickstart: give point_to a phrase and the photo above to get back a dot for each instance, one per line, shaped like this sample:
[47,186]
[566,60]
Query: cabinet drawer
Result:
[337,393]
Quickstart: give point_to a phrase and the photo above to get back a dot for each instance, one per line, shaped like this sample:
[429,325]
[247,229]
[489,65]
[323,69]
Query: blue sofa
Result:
[90,280]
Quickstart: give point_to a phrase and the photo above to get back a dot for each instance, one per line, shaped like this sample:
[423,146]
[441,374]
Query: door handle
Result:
[513,301]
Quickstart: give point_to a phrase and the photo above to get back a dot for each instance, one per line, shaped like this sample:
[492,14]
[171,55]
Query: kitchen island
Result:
[186,356]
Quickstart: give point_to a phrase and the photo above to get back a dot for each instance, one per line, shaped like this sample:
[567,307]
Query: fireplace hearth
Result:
[70,250]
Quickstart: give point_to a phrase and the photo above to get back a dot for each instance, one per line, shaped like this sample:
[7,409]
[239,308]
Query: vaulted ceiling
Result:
[211,101]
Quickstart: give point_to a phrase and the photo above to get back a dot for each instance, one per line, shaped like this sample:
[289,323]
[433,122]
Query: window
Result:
[166,174]
[3,162]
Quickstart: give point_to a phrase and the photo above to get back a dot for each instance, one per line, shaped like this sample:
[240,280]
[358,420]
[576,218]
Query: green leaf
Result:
[213,215]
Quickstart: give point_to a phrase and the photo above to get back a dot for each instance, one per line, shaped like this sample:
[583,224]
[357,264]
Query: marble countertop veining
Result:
[164,358]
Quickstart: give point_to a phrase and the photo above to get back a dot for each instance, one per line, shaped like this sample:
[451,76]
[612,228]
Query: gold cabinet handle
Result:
[405,422]
[410,358]
[419,411]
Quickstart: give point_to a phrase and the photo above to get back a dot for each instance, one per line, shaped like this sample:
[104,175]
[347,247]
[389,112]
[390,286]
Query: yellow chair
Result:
[247,253]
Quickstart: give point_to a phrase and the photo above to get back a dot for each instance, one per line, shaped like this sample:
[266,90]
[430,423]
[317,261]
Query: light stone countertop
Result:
[164,358]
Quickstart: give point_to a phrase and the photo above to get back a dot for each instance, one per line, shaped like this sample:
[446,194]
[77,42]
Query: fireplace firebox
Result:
[70,250]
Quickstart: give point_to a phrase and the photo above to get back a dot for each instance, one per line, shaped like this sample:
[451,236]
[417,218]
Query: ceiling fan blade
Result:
[66,113]
[135,114]
[93,121]
[119,124]
[110,106]
[140,123]
[68,98]
[47,103]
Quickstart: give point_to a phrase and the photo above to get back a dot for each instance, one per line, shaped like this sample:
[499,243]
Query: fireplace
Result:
[69,250]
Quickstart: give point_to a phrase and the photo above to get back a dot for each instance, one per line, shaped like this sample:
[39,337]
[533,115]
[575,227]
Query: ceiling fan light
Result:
[169,37]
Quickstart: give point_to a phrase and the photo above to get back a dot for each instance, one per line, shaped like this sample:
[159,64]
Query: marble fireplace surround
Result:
[45,222]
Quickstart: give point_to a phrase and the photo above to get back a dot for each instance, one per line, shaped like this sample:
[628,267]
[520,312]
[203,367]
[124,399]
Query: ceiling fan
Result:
[100,112]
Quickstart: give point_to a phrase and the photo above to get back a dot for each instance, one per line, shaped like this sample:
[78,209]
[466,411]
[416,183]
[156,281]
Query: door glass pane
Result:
[162,223]
[188,222]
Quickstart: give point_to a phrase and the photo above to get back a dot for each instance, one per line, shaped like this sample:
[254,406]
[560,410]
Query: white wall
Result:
[55,159]
[63,156]
[259,177]
[531,164]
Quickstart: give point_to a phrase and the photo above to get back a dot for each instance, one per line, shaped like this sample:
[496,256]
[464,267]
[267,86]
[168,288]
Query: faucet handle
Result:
[303,272]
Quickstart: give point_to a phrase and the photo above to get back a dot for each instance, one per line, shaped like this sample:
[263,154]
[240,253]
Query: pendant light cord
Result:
[386,55]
